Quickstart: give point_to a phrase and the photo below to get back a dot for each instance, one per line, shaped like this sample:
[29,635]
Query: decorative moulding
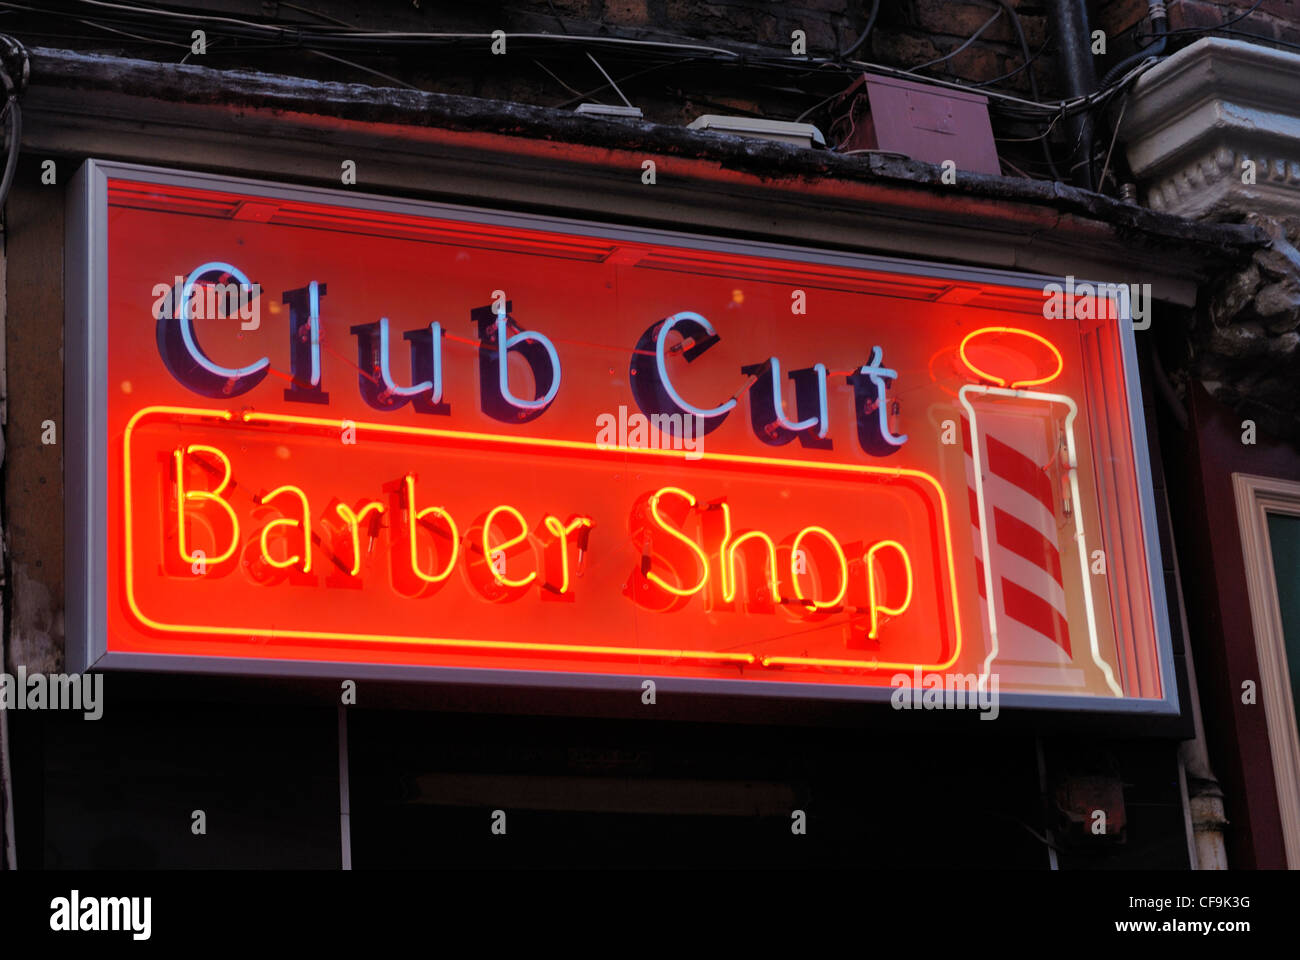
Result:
[1193,121]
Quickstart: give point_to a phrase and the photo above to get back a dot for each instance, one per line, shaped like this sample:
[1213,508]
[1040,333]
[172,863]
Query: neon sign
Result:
[471,507]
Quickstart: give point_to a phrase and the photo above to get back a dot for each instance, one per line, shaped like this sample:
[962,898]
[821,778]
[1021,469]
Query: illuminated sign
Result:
[340,435]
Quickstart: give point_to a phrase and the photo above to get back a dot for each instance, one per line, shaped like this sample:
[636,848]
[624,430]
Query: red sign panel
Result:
[395,434]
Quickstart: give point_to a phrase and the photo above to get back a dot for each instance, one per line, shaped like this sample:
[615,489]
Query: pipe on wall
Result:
[1074,50]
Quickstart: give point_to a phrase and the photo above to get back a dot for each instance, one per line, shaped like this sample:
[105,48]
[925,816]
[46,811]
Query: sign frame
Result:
[85,452]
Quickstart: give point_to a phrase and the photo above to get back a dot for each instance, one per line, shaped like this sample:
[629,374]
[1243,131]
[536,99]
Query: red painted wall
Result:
[1218,610]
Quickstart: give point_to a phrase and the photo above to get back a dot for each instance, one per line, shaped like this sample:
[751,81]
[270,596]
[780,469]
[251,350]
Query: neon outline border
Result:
[253,417]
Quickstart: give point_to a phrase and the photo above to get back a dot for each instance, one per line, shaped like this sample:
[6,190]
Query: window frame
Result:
[1257,497]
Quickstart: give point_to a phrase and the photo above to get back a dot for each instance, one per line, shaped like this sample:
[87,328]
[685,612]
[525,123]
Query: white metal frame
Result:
[1257,497]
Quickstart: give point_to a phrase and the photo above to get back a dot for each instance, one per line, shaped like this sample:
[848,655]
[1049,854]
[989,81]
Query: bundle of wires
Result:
[138,23]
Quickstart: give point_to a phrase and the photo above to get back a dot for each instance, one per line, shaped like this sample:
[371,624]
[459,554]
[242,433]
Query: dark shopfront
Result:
[419,770]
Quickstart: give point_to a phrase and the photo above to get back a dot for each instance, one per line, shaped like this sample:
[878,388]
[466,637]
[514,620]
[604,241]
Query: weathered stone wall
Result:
[1244,345]
[33,469]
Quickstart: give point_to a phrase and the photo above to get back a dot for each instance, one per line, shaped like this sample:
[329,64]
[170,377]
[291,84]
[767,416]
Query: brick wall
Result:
[907,34]
[1272,21]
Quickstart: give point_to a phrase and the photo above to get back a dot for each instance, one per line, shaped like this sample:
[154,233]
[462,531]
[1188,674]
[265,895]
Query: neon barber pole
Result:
[1018,554]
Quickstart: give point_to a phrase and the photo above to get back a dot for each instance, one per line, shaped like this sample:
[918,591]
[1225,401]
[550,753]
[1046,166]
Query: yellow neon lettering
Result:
[844,568]
[704,558]
[557,529]
[184,496]
[129,507]
[727,553]
[304,525]
[413,517]
[489,550]
[353,520]
[879,608]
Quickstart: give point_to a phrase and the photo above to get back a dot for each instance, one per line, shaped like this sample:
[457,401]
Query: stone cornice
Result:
[1193,122]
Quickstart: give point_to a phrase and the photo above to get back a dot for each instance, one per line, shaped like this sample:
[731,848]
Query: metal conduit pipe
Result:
[1074,48]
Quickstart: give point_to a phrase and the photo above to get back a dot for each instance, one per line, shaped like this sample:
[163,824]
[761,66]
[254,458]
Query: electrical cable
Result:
[1264,40]
[1222,28]
[1205,30]
[590,94]
[969,40]
[625,100]
[15,49]
[133,36]
[1029,74]
[13,114]
[1113,137]
[362,68]
[819,104]
[1016,26]
[1011,73]
[326,36]
[1040,136]
[1012,104]
[545,69]
[866,32]
[318,37]
[558,18]
[313,13]
[1160,26]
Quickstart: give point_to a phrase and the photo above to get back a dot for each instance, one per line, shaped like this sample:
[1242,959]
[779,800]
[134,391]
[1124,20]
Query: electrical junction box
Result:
[608,110]
[800,134]
[918,120]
